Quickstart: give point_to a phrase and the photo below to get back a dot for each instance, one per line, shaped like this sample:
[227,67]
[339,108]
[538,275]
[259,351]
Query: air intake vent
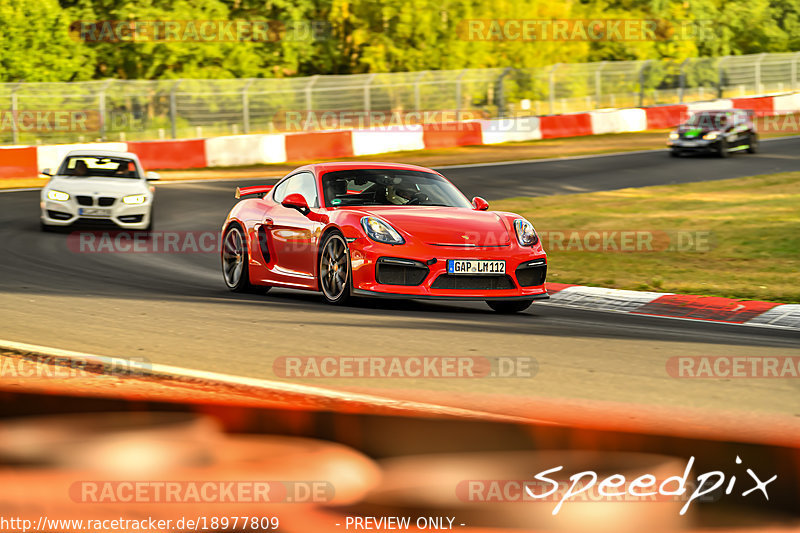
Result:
[492,283]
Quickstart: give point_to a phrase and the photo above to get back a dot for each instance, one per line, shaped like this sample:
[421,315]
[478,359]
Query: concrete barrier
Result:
[190,153]
[503,130]
[237,150]
[390,139]
[18,162]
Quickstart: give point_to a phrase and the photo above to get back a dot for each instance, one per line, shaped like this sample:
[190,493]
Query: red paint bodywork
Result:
[430,232]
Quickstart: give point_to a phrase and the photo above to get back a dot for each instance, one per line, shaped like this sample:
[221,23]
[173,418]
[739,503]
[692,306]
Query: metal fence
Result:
[119,110]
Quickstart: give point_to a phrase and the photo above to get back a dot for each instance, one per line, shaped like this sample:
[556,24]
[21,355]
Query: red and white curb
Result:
[681,306]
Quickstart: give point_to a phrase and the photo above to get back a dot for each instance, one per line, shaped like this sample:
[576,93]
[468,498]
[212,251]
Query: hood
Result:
[691,132]
[98,186]
[453,226]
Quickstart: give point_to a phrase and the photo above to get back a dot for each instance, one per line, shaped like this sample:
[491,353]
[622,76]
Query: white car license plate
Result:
[94,212]
[690,143]
[474,266]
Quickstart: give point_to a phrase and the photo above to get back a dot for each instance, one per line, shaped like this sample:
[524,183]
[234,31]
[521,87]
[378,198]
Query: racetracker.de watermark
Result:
[722,366]
[627,240]
[425,367]
[89,367]
[191,242]
[50,120]
[201,491]
[199,31]
[394,121]
[584,30]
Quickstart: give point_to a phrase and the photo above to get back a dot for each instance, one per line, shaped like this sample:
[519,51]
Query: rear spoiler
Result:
[250,191]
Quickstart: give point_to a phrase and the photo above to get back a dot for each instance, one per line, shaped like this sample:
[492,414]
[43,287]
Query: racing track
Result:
[174,309]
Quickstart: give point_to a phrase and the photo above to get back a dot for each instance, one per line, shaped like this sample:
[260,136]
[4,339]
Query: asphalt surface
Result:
[174,308]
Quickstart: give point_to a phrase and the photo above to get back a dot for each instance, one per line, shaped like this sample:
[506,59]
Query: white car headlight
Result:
[710,136]
[134,199]
[526,235]
[58,196]
[380,231]
[674,135]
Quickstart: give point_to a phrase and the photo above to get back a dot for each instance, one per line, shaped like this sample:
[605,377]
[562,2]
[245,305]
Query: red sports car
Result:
[380,229]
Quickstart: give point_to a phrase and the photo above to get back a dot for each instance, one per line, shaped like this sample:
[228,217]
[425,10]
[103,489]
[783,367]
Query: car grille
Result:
[106,201]
[85,200]
[492,283]
[390,271]
[532,273]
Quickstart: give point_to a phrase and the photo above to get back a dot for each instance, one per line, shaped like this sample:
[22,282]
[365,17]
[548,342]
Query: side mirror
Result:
[479,204]
[46,172]
[152,176]
[296,201]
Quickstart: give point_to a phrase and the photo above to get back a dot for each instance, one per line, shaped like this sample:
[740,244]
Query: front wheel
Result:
[722,148]
[334,269]
[752,146]
[508,307]
[235,260]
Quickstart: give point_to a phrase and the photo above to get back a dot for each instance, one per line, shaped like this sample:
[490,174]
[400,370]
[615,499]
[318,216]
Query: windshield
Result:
[714,121]
[96,166]
[389,187]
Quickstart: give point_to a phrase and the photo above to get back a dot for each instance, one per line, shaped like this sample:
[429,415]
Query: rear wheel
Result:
[508,307]
[235,260]
[752,144]
[334,269]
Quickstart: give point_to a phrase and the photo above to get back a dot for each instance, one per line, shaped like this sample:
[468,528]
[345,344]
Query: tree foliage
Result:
[356,36]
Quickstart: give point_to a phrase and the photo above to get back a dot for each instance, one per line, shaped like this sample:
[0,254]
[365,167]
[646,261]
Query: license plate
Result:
[94,212]
[689,143]
[475,266]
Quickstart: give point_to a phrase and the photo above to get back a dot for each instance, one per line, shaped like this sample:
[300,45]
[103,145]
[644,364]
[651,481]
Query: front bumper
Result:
[525,275]
[134,217]
[693,145]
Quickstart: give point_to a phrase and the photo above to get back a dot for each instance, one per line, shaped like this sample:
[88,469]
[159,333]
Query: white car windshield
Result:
[97,166]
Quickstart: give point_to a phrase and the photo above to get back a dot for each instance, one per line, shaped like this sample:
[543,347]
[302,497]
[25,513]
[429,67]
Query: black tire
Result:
[752,144]
[334,257]
[45,228]
[508,307]
[235,260]
[722,148]
[674,153]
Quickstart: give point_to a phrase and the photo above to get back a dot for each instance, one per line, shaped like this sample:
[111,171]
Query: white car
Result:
[98,187]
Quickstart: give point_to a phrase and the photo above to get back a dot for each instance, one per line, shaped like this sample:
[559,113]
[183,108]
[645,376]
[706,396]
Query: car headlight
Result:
[710,136]
[134,199]
[674,135]
[526,235]
[380,231]
[58,196]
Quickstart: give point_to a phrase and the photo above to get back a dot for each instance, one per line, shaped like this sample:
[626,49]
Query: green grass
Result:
[753,224]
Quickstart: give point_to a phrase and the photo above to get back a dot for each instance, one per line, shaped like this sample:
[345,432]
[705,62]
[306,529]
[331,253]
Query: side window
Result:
[303,183]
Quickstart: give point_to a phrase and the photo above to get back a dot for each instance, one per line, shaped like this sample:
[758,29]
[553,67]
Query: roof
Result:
[102,153]
[352,165]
